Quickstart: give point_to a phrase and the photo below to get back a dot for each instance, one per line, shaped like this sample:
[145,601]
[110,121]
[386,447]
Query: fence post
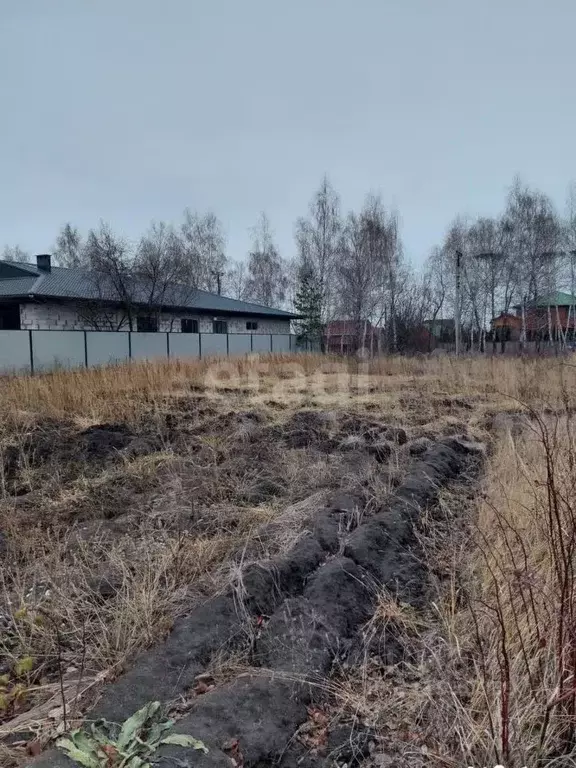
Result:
[129,345]
[251,342]
[271,344]
[168,344]
[227,345]
[31,347]
[85,349]
[199,346]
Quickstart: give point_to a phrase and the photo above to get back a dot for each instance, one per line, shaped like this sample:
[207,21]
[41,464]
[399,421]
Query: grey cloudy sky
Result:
[130,110]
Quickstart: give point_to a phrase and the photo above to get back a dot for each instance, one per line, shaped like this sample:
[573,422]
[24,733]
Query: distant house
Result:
[347,337]
[553,312]
[44,297]
[506,327]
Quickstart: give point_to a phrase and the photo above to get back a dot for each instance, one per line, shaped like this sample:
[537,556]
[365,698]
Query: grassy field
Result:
[129,493]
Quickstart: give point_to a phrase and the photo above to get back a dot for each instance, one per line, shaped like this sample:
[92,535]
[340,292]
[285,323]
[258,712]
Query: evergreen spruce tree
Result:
[308,303]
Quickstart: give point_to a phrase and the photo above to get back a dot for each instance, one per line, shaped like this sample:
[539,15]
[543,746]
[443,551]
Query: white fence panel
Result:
[184,344]
[261,342]
[58,349]
[281,343]
[107,347]
[14,352]
[148,346]
[239,344]
[213,344]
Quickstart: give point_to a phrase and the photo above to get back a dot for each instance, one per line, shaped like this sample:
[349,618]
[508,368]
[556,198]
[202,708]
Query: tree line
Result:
[525,253]
[347,265]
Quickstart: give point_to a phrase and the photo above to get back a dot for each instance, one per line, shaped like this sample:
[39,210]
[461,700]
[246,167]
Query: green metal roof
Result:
[558,299]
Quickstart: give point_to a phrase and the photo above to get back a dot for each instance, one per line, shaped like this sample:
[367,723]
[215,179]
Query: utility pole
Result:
[457,303]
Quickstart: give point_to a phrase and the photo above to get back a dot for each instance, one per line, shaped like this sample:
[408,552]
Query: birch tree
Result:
[69,248]
[266,282]
[317,239]
[204,245]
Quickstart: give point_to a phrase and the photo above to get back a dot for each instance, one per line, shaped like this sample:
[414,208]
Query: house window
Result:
[147,323]
[9,317]
[251,325]
[188,325]
[219,326]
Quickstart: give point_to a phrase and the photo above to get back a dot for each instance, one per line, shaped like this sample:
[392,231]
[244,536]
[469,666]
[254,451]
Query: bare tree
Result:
[68,250]
[369,270]
[515,257]
[110,274]
[535,244]
[15,253]
[204,249]
[536,231]
[413,308]
[235,280]
[266,283]
[570,252]
[384,253]
[355,273]
[317,238]
[160,271]
[438,286]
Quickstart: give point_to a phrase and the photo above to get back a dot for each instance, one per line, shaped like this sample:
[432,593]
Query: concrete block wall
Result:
[238,325]
[52,317]
[67,317]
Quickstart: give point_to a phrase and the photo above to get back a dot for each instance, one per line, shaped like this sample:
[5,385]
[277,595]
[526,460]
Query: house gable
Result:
[9,269]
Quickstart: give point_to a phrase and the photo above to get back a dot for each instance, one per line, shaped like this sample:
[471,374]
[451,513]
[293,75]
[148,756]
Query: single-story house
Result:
[41,296]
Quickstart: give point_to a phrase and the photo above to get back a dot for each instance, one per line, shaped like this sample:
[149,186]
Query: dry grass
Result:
[126,495]
[100,395]
[522,610]
[489,675]
[102,553]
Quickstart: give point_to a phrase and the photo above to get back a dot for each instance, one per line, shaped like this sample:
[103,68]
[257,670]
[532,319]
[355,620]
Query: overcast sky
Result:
[130,110]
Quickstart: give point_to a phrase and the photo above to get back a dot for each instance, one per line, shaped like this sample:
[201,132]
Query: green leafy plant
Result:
[132,745]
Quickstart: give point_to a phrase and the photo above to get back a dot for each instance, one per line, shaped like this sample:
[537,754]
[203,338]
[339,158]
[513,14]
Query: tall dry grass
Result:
[503,653]
[126,391]
[521,606]
[502,640]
